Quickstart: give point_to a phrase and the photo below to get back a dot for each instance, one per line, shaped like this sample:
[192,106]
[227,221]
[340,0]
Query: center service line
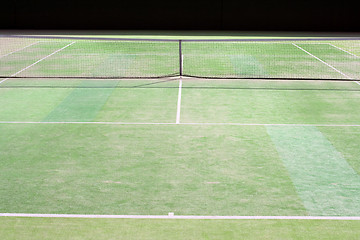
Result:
[179,103]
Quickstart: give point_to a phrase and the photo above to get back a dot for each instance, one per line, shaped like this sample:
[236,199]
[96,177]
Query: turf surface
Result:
[272,102]
[186,169]
[346,140]
[155,169]
[96,58]
[45,228]
[323,178]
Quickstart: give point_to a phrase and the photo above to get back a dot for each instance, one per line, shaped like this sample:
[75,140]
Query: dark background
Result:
[241,15]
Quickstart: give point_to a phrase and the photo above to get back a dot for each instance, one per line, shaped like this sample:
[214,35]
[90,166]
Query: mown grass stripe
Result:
[324,180]
[82,104]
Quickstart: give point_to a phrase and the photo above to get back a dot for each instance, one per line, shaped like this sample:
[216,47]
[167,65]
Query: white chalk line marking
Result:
[204,123]
[13,75]
[178,110]
[19,49]
[322,61]
[172,216]
[343,50]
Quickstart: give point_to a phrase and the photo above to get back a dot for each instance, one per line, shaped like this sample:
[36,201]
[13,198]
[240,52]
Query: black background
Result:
[240,15]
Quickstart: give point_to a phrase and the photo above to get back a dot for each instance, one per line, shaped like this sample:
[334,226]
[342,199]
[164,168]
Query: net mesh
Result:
[40,57]
[283,60]
[91,59]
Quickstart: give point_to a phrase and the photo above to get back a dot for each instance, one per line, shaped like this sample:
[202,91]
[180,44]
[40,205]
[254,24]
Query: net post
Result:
[180,59]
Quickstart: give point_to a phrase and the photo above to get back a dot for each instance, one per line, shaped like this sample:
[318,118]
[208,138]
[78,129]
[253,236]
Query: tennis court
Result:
[209,129]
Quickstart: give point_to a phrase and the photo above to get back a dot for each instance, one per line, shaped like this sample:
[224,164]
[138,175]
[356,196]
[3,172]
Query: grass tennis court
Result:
[73,143]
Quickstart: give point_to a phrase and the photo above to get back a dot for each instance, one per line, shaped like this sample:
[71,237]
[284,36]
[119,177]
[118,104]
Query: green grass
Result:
[185,169]
[110,59]
[89,101]
[259,59]
[270,102]
[155,169]
[17,61]
[140,105]
[65,228]
[323,178]
[96,58]
[344,62]
[346,140]
[143,170]
[29,104]
[82,104]
[8,45]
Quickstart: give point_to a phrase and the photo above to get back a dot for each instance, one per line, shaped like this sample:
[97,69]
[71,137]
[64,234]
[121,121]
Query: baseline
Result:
[172,216]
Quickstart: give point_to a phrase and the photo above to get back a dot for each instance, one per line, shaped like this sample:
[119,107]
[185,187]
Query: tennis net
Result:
[108,58]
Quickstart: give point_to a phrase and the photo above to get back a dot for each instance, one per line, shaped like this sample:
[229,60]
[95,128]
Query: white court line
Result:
[357,82]
[13,75]
[343,50]
[179,217]
[210,124]
[179,103]
[322,61]
[178,109]
[19,49]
